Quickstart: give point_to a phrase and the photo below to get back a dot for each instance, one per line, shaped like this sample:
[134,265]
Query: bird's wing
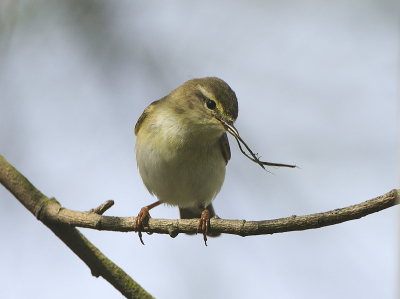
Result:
[226,150]
[144,115]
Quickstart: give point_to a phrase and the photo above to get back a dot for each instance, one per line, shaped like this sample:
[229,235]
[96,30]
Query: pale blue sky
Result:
[316,85]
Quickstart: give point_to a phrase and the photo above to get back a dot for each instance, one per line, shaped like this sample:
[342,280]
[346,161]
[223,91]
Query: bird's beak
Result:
[229,127]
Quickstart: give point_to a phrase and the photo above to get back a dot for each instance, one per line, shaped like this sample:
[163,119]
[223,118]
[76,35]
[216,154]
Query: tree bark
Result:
[63,221]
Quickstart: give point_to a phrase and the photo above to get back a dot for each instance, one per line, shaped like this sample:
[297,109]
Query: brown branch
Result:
[41,206]
[52,212]
[56,214]
[61,221]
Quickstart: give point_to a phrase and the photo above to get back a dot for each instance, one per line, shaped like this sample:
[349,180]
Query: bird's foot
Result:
[141,217]
[204,224]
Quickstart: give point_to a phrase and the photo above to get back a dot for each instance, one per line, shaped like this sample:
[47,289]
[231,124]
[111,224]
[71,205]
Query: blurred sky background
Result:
[317,87]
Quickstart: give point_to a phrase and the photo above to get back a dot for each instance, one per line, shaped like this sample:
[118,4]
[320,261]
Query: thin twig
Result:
[254,157]
[100,210]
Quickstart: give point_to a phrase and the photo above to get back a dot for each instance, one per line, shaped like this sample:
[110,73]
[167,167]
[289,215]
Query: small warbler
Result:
[182,148]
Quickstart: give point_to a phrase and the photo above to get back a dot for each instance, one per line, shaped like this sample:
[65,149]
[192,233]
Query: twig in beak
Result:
[232,130]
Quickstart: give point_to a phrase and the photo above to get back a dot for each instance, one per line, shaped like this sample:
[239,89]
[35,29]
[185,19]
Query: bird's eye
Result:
[211,104]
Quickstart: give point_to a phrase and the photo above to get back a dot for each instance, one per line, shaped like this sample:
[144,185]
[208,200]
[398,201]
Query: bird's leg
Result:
[204,224]
[141,217]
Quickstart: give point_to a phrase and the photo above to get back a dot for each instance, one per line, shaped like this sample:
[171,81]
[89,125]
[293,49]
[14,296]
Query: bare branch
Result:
[61,221]
[50,211]
[41,206]
[103,207]
[243,228]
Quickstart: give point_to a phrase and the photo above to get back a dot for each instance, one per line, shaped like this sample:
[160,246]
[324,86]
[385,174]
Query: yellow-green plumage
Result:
[182,148]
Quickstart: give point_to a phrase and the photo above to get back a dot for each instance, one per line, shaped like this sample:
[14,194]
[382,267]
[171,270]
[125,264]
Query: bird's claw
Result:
[141,217]
[204,224]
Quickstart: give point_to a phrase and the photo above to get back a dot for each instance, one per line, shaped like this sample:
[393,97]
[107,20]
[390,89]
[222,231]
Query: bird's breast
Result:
[180,170]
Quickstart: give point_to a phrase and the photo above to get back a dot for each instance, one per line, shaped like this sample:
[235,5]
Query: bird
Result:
[182,148]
